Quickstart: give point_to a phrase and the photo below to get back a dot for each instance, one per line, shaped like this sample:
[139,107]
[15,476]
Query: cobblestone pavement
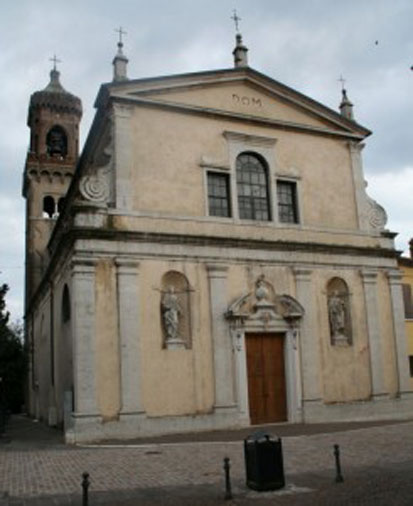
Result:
[160,473]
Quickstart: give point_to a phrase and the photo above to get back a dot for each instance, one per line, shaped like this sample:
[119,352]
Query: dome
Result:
[55,98]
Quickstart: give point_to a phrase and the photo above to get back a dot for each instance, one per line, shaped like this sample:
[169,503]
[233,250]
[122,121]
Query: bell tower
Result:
[53,119]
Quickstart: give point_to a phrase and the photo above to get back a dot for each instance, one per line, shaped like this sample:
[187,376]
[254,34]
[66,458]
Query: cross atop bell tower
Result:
[55,60]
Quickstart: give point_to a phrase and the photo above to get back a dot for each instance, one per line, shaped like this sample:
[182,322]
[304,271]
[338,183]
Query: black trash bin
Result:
[264,466]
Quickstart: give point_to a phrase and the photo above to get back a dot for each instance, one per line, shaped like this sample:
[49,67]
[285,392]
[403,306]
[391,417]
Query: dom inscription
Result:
[246,100]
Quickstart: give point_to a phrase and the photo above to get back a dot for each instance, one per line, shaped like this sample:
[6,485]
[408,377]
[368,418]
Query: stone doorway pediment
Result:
[264,306]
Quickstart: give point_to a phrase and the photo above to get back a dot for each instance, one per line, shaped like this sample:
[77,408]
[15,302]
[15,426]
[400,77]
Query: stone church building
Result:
[210,260]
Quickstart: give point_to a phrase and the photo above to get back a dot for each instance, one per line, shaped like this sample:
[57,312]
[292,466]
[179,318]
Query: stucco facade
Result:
[166,315]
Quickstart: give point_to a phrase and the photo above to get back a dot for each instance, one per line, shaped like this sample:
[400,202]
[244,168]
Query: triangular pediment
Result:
[238,92]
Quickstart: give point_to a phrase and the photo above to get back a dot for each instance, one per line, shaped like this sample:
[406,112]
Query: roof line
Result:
[240,71]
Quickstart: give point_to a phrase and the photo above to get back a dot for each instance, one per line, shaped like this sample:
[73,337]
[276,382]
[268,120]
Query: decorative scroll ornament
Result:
[94,188]
[377,215]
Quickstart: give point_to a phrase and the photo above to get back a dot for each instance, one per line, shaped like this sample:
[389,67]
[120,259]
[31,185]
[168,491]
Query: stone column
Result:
[223,370]
[128,321]
[310,359]
[399,330]
[84,336]
[373,328]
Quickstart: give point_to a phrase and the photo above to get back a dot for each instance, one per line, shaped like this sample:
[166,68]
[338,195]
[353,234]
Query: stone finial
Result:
[346,107]
[240,53]
[120,61]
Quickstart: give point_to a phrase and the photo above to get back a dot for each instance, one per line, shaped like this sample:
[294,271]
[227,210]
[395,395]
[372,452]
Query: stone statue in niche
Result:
[337,314]
[175,311]
[171,312]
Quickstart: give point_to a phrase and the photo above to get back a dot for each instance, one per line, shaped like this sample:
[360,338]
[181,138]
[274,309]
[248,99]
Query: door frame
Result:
[263,311]
[291,363]
[270,337]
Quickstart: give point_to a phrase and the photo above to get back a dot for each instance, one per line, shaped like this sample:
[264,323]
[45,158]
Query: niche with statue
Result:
[339,315]
[175,311]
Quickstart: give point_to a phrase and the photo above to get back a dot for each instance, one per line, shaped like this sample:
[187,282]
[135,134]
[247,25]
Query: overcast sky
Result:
[305,44]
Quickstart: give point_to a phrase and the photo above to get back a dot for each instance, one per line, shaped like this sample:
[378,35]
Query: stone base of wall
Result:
[378,408]
[90,428]
[86,429]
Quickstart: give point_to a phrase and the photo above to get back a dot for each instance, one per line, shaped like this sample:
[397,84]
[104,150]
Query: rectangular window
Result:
[408,302]
[411,365]
[287,201]
[218,194]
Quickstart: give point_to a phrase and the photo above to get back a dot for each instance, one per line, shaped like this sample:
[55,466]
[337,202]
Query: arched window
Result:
[56,142]
[66,305]
[48,207]
[252,188]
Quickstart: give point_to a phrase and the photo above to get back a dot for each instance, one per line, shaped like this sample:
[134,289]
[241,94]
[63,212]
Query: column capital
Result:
[368,275]
[356,147]
[217,270]
[127,265]
[83,264]
[122,110]
[395,277]
[302,273]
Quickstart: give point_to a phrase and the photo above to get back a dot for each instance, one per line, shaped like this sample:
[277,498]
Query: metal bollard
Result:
[339,476]
[228,492]
[85,487]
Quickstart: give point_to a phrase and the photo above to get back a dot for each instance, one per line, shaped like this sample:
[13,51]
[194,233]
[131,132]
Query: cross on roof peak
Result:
[236,19]
[55,60]
[121,32]
[342,81]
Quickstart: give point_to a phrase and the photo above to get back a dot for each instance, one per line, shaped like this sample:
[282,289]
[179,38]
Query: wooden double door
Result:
[266,378]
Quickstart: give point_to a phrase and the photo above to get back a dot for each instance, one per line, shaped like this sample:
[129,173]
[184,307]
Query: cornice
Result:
[234,116]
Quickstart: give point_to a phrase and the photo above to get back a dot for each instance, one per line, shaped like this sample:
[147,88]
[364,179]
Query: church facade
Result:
[216,261]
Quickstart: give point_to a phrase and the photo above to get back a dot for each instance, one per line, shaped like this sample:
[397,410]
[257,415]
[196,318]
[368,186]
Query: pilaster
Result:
[369,278]
[223,367]
[84,336]
[399,329]
[359,183]
[310,359]
[127,272]
[293,373]
[123,156]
